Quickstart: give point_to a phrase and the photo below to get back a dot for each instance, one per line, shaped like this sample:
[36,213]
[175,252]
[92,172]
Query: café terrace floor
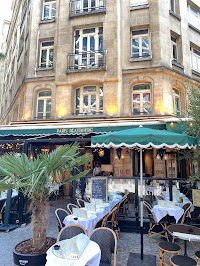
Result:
[128,242]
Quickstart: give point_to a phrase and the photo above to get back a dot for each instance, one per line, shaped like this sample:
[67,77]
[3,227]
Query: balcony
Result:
[86,61]
[80,7]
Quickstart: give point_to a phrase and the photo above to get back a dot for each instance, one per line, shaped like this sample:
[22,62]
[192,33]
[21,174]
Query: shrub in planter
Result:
[34,178]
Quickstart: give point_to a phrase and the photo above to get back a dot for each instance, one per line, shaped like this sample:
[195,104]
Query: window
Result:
[89,100]
[138,2]
[174,48]
[173,6]
[46,54]
[176,101]
[89,48]
[195,59]
[49,9]
[44,105]
[140,44]
[194,16]
[141,99]
[78,6]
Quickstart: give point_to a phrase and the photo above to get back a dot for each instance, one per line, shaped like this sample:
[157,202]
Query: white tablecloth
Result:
[90,257]
[88,223]
[162,212]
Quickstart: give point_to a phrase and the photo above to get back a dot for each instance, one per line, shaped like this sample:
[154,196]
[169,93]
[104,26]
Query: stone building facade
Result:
[68,60]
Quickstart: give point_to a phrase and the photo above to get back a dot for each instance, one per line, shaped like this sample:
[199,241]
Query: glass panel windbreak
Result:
[136,103]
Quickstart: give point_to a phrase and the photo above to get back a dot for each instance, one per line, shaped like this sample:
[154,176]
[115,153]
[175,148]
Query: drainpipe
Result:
[119,56]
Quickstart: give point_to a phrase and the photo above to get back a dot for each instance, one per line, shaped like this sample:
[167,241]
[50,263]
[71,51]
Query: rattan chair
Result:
[2,205]
[153,223]
[167,247]
[102,221]
[187,209]
[107,240]
[181,260]
[160,197]
[111,221]
[70,231]
[81,203]
[60,215]
[197,256]
[70,207]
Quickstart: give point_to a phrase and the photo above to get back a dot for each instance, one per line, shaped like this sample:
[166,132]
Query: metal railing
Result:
[77,7]
[86,60]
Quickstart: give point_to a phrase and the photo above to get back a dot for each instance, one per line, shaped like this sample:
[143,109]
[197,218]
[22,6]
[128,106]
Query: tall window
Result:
[194,16]
[89,47]
[44,105]
[49,9]
[140,43]
[174,48]
[89,100]
[138,2]
[195,59]
[173,6]
[46,54]
[141,99]
[176,101]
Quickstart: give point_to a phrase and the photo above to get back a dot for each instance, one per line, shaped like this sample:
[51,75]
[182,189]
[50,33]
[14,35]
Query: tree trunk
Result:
[39,223]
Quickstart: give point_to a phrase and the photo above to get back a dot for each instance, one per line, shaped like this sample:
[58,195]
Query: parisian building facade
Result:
[99,59]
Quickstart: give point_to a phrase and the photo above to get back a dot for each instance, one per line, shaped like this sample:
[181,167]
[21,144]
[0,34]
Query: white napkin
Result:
[71,248]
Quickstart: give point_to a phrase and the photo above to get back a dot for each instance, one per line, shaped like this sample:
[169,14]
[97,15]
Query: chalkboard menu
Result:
[100,188]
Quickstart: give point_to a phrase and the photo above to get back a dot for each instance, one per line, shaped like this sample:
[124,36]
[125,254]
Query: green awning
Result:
[142,137]
[23,131]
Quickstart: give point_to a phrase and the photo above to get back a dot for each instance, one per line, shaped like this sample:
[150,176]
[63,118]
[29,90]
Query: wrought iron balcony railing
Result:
[86,61]
[81,7]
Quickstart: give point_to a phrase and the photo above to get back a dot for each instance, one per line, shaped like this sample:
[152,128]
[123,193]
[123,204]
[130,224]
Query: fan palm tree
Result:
[34,178]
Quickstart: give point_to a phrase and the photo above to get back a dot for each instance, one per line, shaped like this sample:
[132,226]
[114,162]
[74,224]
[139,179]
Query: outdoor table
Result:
[161,212]
[91,257]
[87,223]
[185,232]
[99,212]
[185,200]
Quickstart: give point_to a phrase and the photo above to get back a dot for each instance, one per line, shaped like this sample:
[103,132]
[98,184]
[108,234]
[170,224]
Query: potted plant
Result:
[34,178]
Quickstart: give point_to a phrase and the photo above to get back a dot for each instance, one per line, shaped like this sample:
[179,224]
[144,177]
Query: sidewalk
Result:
[128,242]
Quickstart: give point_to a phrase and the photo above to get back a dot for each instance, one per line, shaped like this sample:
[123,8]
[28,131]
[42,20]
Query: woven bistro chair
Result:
[81,203]
[70,231]
[167,247]
[153,223]
[107,240]
[111,221]
[102,221]
[187,209]
[197,256]
[70,207]
[60,215]
[181,260]
[2,205]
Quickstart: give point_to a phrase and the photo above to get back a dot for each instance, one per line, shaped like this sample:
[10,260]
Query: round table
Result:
[87,223]
[161,212]
[186,232]
[91,257]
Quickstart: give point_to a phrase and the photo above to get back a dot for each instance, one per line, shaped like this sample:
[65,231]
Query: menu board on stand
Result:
[196,197]
[100,188]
